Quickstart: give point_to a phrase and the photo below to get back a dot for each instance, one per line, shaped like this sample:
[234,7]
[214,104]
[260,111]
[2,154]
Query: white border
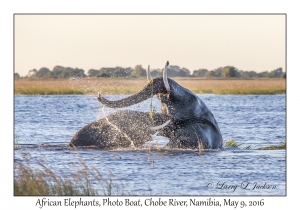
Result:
[8,8]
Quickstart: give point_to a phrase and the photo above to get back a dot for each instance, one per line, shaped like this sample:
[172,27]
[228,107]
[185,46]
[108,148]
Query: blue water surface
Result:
[255,121]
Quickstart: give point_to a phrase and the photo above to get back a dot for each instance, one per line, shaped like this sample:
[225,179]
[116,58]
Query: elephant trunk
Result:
[152,88]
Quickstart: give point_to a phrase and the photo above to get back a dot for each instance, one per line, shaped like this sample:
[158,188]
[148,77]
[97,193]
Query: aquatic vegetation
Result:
[44,181]
[248,147]
[274,147]
[34,182]
[232,143]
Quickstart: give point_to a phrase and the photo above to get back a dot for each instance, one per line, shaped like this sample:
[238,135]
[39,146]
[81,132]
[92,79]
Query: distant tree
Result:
[173,71]
[210,73]
[252,74]
[93,72]
[121,72]
[138,71]
[102,74]
[76,72]
[32,73]
[275,73]
[108,71]
[263,74]
[43,72]
[248,74]
[176,71]
[238,74]
[199,73]
[57,71]
[16,76]
[67,72]
[184,72]
[242,74]
[218,72]
[156,73]
[229,71]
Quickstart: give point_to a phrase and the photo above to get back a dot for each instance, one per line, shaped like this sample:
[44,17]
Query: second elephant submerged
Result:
[185,120]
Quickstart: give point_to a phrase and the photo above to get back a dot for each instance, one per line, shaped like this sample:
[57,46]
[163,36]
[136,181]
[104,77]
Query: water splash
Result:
[117,129]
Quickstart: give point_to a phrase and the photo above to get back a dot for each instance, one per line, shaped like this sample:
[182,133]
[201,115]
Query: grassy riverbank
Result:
[129,86]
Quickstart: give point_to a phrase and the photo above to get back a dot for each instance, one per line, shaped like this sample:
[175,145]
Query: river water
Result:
[44,125]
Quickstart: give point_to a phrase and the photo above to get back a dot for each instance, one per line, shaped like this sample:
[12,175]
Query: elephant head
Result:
[191,121]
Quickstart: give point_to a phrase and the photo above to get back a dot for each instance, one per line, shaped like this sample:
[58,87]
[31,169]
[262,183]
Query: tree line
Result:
[139,71]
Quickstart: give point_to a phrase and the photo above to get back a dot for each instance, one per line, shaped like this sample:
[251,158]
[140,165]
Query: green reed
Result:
[232,143]
[29,180]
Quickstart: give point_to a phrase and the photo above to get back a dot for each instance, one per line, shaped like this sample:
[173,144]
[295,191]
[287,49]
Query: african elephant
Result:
[185,120]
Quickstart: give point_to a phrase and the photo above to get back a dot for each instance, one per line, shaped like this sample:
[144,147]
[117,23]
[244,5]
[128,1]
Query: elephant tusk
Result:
[148,74]
[160,126]
[165,78]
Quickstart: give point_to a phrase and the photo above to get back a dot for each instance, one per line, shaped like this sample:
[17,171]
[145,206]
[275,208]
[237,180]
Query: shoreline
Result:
[117,86]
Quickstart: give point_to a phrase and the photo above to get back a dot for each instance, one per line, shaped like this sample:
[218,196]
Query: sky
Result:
[248,42]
